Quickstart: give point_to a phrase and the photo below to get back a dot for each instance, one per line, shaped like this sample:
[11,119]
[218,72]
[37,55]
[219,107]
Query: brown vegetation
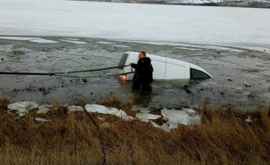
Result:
[82,138]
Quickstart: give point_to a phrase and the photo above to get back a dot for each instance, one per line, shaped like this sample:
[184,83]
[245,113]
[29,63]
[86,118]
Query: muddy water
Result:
[241,75]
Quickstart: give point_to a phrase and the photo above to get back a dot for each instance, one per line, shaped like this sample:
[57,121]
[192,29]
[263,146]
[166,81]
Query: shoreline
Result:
[225,136]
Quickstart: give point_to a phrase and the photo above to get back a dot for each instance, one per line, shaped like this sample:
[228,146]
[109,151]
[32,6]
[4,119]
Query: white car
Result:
[164,68]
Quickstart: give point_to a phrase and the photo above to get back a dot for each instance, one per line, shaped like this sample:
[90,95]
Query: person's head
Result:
[142,55]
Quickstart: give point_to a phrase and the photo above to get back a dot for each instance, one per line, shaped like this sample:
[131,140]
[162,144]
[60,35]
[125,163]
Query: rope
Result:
[85,77]
[61,73]
[28,73]
[90,70]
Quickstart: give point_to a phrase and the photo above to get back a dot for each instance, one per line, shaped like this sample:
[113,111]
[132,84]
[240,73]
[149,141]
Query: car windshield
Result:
[123,60]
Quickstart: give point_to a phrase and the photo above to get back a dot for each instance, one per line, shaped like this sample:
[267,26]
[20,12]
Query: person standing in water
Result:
[143,76]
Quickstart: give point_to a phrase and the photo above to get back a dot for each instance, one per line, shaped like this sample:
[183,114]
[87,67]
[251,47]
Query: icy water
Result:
[241,75]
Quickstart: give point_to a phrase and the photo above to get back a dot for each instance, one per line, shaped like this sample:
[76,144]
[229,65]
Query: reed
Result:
[224,137]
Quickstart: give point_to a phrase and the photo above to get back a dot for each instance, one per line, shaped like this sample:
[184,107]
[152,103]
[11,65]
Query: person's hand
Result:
[132,65]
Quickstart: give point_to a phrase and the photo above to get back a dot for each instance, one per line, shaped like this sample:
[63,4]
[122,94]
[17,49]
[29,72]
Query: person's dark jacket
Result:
[143,71]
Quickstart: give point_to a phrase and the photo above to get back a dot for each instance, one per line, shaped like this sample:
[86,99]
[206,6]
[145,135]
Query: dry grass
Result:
[223,138]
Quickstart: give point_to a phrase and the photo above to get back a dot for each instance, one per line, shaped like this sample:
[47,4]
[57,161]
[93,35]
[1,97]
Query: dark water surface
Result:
[241,76]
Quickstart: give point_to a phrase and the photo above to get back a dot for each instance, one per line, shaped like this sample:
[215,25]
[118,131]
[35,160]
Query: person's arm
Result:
[133,65]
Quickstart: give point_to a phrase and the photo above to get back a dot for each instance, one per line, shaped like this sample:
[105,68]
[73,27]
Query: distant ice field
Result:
[143,22]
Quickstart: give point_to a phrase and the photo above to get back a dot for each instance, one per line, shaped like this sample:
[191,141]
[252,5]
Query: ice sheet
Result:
[135,21]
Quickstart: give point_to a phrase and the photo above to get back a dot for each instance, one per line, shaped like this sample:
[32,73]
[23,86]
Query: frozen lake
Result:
[160,23]
[233,44]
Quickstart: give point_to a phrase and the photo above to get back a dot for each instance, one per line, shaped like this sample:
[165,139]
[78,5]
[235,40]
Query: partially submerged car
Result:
[164,68]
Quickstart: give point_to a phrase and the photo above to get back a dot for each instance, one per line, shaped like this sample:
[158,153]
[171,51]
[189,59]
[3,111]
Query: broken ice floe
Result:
[74,108]
[248,119]
[23,107]
[146,117]
[43,109]
[105,110]
[183,117]
[170,118]
[38,119]
[173,118]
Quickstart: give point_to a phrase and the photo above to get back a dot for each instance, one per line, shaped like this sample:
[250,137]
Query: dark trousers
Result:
[141,86]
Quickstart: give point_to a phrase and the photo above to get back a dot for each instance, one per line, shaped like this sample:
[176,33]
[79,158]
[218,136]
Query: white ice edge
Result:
[31,39]
[74,41]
